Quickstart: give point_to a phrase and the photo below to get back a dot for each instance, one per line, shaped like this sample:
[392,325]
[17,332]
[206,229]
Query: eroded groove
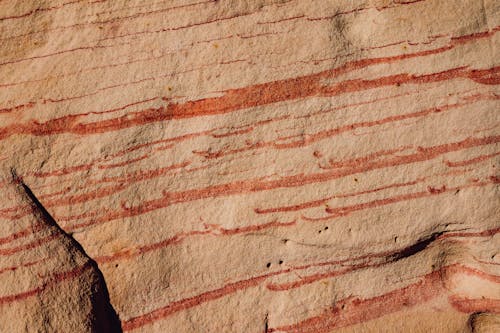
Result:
[481,321]
[107,319]
[417,247]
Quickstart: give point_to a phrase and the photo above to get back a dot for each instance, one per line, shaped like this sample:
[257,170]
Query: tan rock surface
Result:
[48,282]
[249,166]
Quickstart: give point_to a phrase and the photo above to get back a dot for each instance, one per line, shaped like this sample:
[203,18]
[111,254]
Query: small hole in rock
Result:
[326,228]
[280,262]
[116,265]
[268,265]
[319,231]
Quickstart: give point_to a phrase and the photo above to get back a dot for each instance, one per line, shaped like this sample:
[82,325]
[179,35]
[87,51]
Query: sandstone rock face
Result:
[249,166]
[48,282]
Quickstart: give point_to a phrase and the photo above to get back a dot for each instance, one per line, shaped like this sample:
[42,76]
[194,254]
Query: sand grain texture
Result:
[249,166]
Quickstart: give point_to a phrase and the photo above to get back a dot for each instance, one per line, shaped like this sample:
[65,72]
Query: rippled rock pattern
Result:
[249,166]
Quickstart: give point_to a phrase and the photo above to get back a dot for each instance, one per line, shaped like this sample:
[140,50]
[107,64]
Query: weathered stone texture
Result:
[249,166]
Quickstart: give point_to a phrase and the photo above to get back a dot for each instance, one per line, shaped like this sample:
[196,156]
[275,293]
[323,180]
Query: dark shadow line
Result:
[109,312]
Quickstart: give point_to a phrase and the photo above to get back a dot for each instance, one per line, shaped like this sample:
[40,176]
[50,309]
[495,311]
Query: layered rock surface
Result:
[249,166]
[48,282]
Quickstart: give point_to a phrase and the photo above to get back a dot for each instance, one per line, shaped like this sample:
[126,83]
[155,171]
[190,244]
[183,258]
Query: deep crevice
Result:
[103,306]
[419,246]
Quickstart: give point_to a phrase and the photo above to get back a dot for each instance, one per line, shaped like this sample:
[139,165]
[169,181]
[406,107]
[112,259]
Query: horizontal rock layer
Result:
[249,166]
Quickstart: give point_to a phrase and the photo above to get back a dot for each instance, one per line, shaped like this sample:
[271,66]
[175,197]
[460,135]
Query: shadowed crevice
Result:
[106,318]
[417,247]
